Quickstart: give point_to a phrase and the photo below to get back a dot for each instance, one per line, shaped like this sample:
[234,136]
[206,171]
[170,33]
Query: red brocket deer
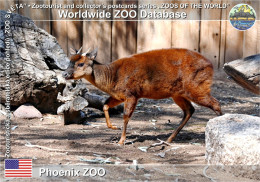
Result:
[183,75]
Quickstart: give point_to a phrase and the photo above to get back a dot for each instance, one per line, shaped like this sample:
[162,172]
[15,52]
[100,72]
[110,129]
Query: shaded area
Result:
[152,120]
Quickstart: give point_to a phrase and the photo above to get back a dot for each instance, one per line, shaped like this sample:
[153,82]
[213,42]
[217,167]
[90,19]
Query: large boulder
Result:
[233,139]
[37,63]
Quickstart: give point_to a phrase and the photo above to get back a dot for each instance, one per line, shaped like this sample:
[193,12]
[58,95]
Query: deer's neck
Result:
[103,77]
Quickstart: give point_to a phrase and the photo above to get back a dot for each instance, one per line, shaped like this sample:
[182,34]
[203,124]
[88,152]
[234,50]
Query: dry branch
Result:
[159,144]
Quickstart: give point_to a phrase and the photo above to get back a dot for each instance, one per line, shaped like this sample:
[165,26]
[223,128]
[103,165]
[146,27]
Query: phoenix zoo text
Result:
[86,172]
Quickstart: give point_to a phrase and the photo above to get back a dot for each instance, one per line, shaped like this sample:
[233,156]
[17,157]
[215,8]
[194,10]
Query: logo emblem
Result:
[242,16]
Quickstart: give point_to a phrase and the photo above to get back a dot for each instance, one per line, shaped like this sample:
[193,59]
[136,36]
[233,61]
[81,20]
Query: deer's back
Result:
[161,73]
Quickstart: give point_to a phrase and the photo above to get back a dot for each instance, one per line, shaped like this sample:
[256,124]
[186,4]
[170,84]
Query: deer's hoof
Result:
[114,127]
[121,142]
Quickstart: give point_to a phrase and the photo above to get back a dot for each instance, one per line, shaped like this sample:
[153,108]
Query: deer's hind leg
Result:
[110,103]
[188,110]
[208,101]
[200,88]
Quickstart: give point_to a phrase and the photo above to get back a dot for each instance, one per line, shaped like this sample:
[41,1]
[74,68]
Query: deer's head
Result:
[80,64]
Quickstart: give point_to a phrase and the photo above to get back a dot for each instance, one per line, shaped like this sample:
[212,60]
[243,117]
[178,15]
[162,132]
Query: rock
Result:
[72,110]
[79,103]
[72,89]
[77,98]
[37,63]
[233,139]
[73,103]
[2,110]
[27,111]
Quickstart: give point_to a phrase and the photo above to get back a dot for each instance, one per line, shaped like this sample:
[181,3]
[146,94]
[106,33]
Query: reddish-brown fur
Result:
[184,75]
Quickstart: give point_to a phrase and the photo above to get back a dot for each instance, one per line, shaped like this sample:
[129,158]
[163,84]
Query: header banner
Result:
[134,10]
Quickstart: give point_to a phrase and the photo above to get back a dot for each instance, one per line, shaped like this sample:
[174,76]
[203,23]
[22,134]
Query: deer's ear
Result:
[73,51]
[92,55]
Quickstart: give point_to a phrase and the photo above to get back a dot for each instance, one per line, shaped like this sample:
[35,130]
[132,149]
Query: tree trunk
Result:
[245,72]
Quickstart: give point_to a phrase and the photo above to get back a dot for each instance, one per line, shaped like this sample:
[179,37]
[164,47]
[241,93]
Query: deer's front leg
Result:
[110,103]
[129,108]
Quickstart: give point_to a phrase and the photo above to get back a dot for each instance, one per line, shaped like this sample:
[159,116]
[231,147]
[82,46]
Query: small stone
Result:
[27,111]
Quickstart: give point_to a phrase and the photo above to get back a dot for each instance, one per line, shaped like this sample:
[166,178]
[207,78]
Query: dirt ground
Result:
[48,141]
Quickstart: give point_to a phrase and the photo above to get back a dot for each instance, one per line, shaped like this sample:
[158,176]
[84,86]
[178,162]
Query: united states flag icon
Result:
[19,168]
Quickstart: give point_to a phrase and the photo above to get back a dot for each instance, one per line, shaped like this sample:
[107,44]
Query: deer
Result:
[181,74]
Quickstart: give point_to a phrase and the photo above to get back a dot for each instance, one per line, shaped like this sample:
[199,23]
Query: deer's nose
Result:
[65,75]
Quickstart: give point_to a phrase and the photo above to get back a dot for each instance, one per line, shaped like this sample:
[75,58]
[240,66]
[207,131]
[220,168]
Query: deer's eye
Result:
[80,64]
